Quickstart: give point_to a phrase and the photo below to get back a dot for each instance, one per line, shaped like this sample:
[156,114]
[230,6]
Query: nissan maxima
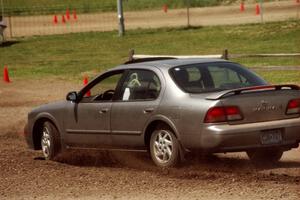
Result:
[169,107]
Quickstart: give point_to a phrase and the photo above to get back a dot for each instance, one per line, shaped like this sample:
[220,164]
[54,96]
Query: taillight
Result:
[223,114]
[293,107]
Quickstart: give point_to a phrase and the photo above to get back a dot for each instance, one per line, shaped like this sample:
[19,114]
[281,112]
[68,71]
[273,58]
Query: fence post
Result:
[2,8]
[298,8]
[188,12]
[131,54]
[121,18]
[261,11]
[225,54]
[10,26]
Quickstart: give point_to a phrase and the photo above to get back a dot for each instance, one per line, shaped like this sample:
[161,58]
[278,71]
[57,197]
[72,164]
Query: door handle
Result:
[148,110]
[103,110]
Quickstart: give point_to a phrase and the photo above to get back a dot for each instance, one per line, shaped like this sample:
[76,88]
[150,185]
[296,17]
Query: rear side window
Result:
[206,77]
[140,85]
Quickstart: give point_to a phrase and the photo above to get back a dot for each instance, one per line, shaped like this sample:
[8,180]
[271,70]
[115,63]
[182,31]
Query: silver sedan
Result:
[171,107]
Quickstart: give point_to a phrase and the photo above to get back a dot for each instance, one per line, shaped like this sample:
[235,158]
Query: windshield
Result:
[208,77]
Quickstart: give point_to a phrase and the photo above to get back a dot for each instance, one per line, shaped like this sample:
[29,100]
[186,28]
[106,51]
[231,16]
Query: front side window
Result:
[206,77]
[104,89]
[140,85]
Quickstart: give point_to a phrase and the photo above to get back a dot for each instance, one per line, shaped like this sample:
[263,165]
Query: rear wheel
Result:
[50,141]
[164,148]
[265,155]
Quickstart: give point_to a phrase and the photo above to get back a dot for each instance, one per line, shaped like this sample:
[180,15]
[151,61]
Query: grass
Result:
[37,7]
[73,55]
[280,76]
[25,7]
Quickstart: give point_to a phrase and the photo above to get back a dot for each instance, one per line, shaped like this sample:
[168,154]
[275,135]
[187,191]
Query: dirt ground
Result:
[119,175]
[43,25]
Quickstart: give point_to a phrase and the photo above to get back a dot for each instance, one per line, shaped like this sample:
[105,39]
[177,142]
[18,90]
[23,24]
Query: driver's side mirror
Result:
[72,96]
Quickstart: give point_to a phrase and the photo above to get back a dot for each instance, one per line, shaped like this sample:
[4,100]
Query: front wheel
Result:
[164,148]
[50,141]
[265,155]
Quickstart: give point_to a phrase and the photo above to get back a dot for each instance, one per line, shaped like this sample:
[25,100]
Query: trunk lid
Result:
[259,104]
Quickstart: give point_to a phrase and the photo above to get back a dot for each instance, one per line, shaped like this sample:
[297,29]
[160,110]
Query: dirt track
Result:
[43,25]
[103,175]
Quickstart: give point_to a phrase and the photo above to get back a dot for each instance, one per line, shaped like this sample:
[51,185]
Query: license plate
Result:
[271,136]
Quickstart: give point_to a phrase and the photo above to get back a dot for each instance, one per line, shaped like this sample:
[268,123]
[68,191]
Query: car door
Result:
[138,100]
[87,123]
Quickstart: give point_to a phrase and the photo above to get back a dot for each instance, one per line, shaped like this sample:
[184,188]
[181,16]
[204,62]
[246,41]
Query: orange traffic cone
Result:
[165,8]
[68,14]
[257,9]
[74,15]
[63,19]
[5,75]
[55,21]
[242,7]
[85,82]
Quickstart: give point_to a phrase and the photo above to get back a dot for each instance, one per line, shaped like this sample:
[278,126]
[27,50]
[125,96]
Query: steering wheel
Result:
[109,92]
[107,95]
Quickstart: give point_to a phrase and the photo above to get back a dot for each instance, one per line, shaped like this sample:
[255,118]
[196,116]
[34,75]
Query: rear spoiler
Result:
[238,91]
[135,58]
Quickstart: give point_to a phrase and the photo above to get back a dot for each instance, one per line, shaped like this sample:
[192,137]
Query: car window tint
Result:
[109,83]
[206,77]
[194,74]
[103,90]
[226,78]
[140,85]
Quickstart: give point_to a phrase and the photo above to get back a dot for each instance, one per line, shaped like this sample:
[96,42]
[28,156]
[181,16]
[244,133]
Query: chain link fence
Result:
[32,17]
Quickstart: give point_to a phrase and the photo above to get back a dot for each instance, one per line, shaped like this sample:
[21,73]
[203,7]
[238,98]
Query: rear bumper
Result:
[225,137]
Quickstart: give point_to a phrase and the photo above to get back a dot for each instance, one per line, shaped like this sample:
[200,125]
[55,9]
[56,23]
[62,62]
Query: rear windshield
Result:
[209,77]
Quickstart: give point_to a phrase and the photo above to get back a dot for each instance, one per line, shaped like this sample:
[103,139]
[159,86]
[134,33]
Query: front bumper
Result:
[225,137]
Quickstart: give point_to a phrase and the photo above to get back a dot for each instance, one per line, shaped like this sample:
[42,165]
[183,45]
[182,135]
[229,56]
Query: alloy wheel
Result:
[46,142]
[163,146]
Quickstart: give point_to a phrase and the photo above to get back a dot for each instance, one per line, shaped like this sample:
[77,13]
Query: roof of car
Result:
[169,63]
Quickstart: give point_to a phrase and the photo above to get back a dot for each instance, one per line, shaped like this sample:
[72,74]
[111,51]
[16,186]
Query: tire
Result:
[50,141]
[265,155]
[164,148]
